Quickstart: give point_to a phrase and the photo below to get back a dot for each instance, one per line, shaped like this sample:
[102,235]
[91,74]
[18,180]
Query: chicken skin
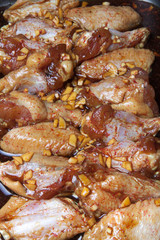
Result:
[39,137]
[118,18]
[129,93]
[127,156]
[56,218]
[23,8]
[22,108]
[105,123]
[44,71]
[14,52]
[138,221]
[89,44]
[40,178]
[110,63]
[108,189]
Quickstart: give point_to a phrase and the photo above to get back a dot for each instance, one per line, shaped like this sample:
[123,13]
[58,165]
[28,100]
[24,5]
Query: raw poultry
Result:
[80,120]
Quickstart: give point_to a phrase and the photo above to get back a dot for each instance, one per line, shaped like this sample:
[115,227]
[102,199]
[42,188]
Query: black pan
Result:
[150,12]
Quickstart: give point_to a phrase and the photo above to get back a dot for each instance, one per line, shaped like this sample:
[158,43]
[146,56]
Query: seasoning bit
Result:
[109,230]
[27,156]
[126,202]
[55,123]
[19,58]
[91,221]
[28,175]
[112,141]
[18,160]
[73,140]
[62,123]
[157,202]
[127,165]
[47,152]
[84,179]
[73,160]
[109,162]
[85,192]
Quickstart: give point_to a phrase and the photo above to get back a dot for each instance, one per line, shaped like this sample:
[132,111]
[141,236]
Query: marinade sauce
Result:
[150,18]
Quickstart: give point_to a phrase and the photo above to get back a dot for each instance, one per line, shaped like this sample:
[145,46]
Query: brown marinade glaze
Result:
[150,18]
[101,37]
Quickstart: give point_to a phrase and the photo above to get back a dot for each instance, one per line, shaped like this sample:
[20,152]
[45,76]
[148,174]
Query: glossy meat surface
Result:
[97,67]
[41,29]
[58,109]
[127,94]
[38,137]
[22,107]
[52,175]
[136,222]
[14,52]
[109,188]
[106,123]
[53,219]
[118,18]
[127,156]
[92,43]
[23,8]
[44,71]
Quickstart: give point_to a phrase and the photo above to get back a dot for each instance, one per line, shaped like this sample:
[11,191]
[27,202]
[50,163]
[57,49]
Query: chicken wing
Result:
[57,109]
[127,156]
[107,124]
[138,221]
[133,95]
[14,52]
[41,136]
[108,189]
[23,8]
[118,18]
[22,108]
[44,71]
[110,63]
[90,44]
[42,177]
[57,218]
[39,29]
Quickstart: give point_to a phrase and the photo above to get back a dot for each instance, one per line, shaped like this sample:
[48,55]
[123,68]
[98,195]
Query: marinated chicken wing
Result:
[110,63]
[41,136]
[42,177]
[127,93]
[127,156]
[44,71]
[91,44]
[138,221]
[39,29]
[23,8]
[107,124]
[108,189]
[118,18]
[56,110]
[14,52]
[21,108]
[57,218]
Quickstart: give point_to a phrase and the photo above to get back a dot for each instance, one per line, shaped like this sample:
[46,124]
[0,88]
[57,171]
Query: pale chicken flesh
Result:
[39,137]
[23,8]
[106,124]
[99,67]
[79,123]
[56,218]
[42,177]
[109,188]
[118,18]
[44,71]
[130,93]
[138,221]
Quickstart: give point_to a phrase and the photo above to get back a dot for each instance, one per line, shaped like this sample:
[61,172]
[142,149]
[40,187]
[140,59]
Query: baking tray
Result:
[150,12]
